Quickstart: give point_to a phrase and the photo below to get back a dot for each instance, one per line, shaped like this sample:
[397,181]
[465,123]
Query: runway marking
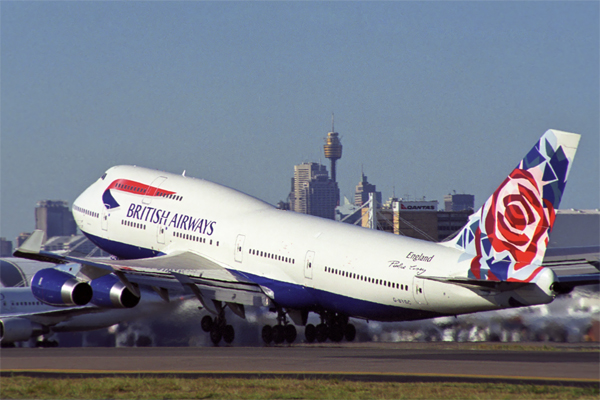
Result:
[7,373]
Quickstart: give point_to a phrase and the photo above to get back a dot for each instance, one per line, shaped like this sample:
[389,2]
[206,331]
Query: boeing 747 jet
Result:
[234,251]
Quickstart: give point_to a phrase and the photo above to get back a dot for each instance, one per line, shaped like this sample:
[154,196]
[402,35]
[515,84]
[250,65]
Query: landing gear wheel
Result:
[46,343]
[206,323]
[310,333]
[278,334]
[215,336]
[267,334]
[290,333]
[350,332]
[321,333]
[228,334]
[336,333]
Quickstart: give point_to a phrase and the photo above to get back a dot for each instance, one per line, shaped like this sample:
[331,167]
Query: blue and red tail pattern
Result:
[133,187]
[508,236]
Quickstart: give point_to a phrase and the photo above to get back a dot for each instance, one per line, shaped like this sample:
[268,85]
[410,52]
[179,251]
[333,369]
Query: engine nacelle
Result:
[19,329]
[58,288]
[110,292]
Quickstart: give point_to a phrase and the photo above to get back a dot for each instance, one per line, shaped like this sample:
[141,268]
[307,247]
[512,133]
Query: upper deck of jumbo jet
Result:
[198,190]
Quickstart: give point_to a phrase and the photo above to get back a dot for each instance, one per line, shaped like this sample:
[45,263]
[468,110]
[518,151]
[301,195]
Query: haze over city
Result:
[428,97]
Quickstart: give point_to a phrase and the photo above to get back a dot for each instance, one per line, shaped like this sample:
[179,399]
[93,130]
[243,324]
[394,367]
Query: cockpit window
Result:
[103,176]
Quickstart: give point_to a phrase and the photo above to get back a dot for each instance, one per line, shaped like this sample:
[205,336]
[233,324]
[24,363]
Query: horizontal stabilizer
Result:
[566,283]
[500,286]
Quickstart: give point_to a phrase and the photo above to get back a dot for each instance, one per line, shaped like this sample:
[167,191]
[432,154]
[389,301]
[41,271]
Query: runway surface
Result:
[381,362]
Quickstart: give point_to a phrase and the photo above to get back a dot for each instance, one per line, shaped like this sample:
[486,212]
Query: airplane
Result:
[235,251]
[23,316]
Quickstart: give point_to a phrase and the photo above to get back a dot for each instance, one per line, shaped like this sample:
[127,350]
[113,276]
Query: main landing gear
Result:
[282,332]
[333,326]
[43,342]
[218,329]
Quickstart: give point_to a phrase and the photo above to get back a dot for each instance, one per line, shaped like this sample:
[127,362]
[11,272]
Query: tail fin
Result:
[509,234]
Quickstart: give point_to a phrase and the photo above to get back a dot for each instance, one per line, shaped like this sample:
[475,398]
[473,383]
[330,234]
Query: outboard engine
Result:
[19,329]
[58,288]
[110,292]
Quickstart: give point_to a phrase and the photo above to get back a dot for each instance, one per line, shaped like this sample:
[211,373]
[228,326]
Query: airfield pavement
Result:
[577,364]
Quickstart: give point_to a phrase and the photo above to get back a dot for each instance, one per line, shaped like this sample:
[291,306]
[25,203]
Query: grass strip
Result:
[21,387]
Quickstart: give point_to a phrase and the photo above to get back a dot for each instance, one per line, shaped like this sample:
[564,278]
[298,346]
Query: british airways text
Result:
[163,217]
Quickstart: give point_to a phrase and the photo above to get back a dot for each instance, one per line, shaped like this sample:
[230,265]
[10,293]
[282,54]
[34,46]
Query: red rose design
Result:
[516,220]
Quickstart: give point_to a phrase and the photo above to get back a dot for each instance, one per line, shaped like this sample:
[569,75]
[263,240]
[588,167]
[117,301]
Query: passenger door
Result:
[419,290]
[239,248]
[308,265]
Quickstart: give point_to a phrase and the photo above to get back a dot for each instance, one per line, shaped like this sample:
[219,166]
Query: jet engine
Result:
[19,329]
[110,292]
[58,288]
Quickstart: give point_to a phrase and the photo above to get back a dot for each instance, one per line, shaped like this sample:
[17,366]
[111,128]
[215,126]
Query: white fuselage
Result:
[300,261]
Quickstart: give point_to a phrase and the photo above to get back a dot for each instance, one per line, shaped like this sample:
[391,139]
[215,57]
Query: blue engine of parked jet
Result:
[110,292]
[58,288]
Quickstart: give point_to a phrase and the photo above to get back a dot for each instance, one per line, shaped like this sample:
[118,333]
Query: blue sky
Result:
[428,97]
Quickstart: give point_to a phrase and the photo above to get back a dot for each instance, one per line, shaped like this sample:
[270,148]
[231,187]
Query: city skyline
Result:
[428,97]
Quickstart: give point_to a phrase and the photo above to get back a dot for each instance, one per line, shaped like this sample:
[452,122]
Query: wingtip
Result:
[33,244]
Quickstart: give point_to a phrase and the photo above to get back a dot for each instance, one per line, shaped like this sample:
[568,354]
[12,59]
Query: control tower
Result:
[333,148]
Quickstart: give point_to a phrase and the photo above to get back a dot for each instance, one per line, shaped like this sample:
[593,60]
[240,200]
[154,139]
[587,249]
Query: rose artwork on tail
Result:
[508,236]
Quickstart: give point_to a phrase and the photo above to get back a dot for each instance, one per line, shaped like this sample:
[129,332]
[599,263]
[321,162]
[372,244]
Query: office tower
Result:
[361,195]
[313,192]
[54,218]
[6,247]
[459,202]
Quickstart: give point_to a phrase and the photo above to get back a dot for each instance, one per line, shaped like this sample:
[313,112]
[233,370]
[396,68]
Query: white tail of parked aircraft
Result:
[233,250]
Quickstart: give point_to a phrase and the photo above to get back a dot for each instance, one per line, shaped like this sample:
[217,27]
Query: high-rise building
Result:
[361,195]
[450,222]
[54,218]
[6,247]
[459,202]
[313,192]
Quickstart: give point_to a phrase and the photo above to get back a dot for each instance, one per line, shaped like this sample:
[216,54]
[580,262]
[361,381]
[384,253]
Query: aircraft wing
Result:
[53,317]
[59,311]
[206,278]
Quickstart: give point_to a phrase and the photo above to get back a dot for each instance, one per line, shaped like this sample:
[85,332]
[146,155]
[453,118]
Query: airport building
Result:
[76,246]
[576,228]
[416,219]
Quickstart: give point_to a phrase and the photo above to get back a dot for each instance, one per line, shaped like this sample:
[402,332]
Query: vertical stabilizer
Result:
[509,234]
